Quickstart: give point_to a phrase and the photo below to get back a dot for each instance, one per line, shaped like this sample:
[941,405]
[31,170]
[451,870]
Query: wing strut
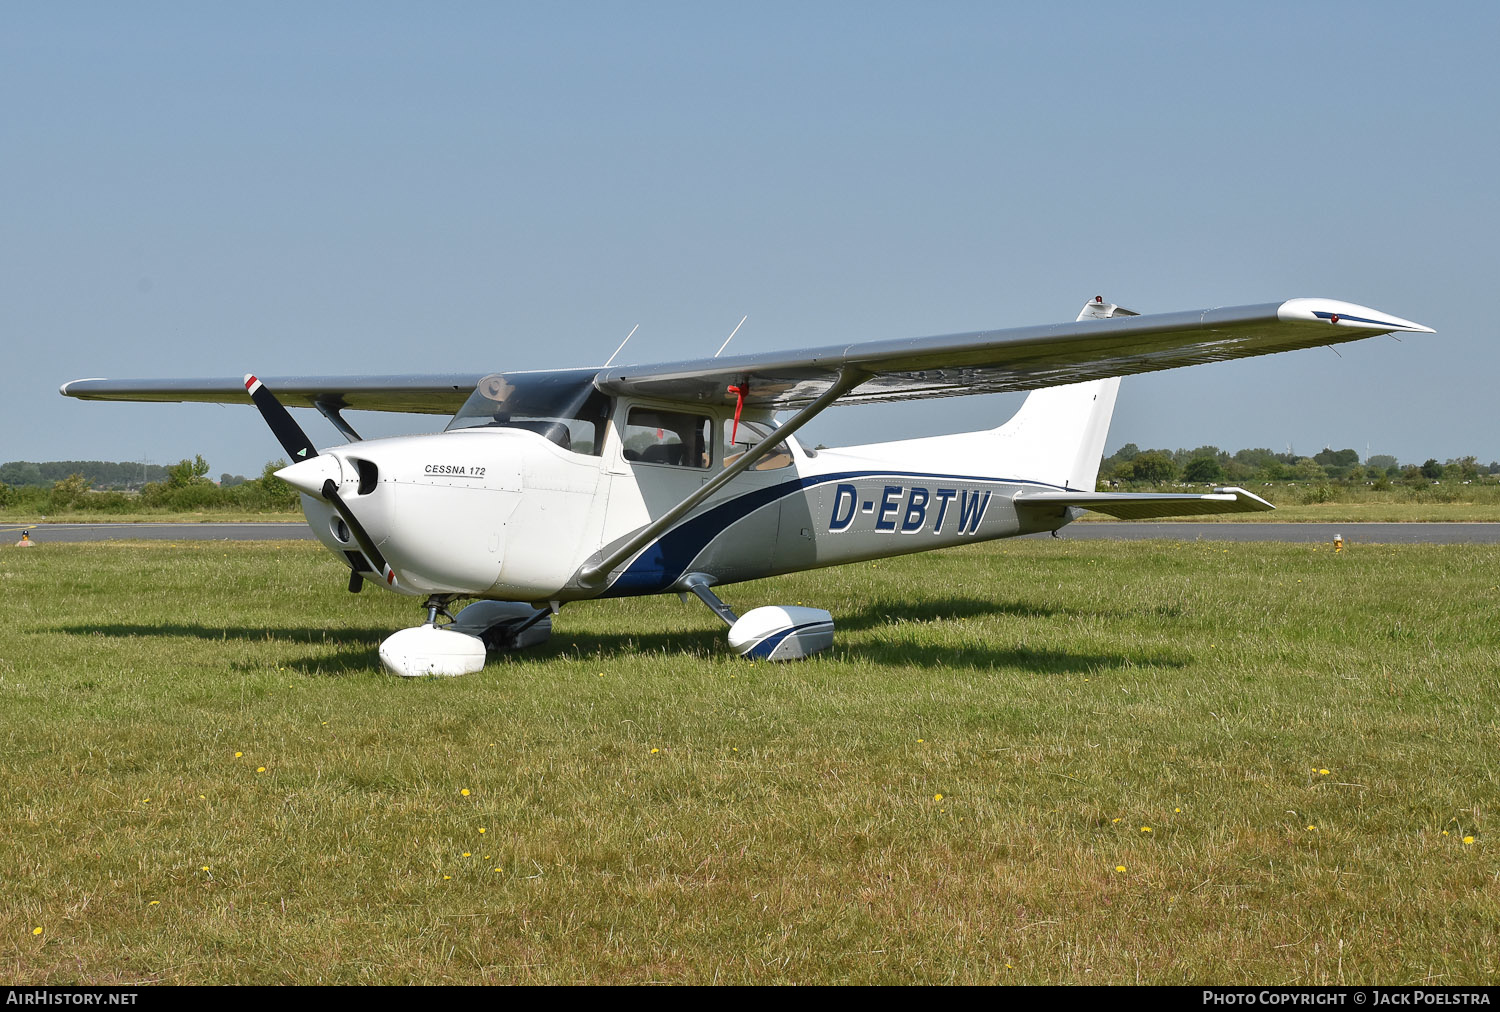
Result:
[592,573]
[331,410]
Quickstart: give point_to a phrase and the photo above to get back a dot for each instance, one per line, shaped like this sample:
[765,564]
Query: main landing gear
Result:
[772,633]
[461,645]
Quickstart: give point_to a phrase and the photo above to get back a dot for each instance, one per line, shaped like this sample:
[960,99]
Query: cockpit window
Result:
[563,407]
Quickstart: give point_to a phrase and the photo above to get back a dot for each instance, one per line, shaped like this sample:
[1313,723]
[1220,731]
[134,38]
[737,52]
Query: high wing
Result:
[428,395]
[1021,358]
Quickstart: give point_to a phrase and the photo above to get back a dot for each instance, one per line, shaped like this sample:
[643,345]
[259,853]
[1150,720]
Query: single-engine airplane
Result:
[558,486]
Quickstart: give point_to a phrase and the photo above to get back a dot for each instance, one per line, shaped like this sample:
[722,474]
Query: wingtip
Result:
[66,390]
[1348,314]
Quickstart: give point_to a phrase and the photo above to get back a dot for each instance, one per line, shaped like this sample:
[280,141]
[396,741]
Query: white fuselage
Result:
[508,514]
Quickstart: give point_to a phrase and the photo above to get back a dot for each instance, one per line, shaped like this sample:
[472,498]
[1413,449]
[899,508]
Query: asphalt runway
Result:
[43,533]
[1408,534]
[1372,534]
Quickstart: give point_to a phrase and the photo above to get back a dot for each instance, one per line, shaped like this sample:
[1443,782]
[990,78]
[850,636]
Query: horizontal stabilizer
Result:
[1147,505]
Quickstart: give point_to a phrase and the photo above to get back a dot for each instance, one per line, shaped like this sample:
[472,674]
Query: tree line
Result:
[1209,464]
[181,487]
[61,486]
[100,474]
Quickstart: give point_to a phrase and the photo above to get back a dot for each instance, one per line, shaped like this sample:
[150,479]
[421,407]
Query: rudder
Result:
[1058,435]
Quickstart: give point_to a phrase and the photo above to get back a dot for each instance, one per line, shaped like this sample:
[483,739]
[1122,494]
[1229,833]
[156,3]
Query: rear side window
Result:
[668,437]
[750,433]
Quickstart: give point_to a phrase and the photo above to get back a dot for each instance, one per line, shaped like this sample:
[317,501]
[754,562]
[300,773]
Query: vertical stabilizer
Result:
[1058,435]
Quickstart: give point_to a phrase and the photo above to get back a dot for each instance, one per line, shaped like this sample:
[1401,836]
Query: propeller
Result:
[283,426]
[286,430]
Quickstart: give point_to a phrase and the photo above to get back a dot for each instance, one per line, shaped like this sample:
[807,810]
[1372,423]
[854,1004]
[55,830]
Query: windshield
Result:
[562,406]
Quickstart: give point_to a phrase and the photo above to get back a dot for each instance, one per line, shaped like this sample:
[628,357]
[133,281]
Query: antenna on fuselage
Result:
[733,332]
[623,343]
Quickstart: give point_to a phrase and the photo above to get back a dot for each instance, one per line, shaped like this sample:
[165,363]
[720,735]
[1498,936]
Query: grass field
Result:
[1080,762]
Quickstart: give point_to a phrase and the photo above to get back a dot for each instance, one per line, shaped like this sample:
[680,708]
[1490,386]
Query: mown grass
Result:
[946,797]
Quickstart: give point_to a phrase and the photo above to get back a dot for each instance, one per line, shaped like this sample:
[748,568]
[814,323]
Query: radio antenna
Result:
[623,343]
[733,332]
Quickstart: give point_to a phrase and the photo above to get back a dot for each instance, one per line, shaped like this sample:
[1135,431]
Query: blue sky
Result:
[211,189]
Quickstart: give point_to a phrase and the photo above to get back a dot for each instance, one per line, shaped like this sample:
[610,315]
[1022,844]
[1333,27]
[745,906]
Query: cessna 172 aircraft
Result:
[559,486]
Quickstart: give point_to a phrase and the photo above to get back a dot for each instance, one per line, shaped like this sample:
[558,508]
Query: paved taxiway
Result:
[43,533]
[1443,534]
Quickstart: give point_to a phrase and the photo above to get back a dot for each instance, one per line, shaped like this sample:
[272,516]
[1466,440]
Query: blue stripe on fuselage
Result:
[665,560]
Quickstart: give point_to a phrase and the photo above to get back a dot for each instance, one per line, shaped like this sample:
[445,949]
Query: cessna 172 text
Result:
[559,486]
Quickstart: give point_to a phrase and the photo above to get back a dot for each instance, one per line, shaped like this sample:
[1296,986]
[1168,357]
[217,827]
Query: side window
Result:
[668,437]
[751,433]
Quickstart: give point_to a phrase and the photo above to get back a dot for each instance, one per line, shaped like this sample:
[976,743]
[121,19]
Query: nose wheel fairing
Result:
[463,646]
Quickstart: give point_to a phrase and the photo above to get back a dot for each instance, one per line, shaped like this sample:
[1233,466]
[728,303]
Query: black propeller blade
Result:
[361,536]
[296,443]
[283,426]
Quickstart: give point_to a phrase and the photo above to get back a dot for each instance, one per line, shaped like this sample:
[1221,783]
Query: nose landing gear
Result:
[461,646]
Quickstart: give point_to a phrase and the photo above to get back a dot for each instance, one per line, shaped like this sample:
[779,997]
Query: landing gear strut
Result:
[437,605]
[772,633]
